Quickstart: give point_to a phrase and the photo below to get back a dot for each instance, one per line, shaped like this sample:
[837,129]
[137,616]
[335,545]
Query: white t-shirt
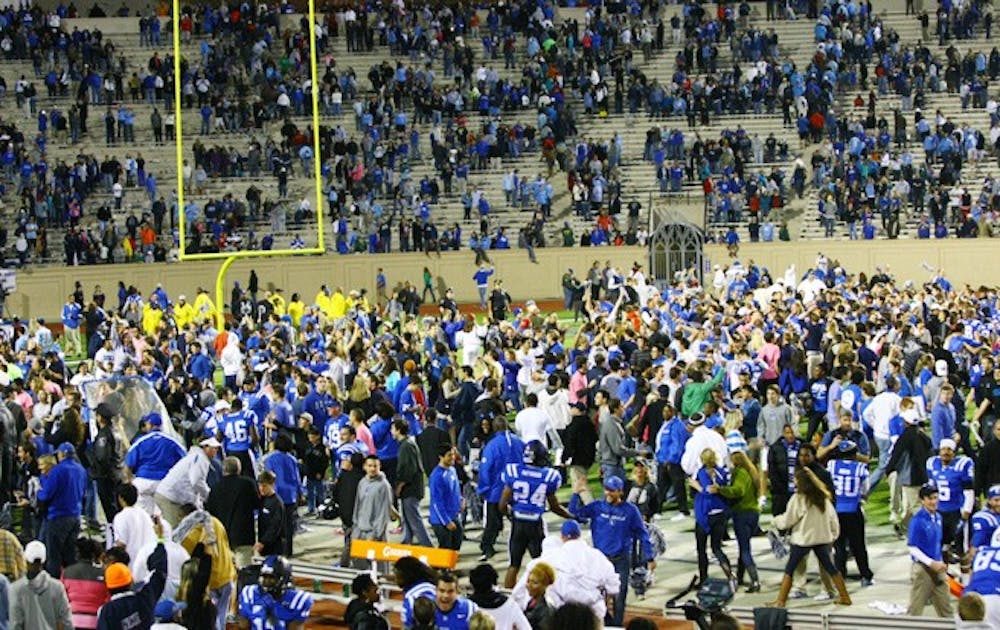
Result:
[532,423]
[133,527]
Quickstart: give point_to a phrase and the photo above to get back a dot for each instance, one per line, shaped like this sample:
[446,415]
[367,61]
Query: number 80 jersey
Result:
[530,487]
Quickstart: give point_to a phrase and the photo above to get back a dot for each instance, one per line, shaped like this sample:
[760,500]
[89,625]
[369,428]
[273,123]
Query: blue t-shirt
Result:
[264,612]
[457,618]
[950,481]
[985,572]
[531,486]
[850,483]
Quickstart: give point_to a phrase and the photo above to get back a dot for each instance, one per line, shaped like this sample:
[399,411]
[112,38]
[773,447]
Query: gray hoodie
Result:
[39,604]
[371,508]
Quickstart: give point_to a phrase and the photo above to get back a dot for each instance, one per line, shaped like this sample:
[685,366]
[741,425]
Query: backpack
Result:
[368,619]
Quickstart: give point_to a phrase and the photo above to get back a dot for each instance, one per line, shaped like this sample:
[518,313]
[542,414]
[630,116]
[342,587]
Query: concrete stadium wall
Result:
[42,292]
[972,261]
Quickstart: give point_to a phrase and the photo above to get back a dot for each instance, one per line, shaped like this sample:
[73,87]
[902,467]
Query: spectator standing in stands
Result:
[38,600]
[63,491]
[446,500]
[233,501]
[410,482]
[84,582]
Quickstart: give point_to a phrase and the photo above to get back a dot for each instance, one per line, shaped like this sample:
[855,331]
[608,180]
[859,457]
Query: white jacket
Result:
[582,573]
[701,439]
[508,616]
[187,482]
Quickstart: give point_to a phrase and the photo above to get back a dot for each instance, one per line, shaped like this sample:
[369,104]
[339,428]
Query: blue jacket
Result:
[614,527]
[201,367]
[153,455]
[670,441]
[446,495]
[288,485]
[502,449]
[386,447]
[63,488]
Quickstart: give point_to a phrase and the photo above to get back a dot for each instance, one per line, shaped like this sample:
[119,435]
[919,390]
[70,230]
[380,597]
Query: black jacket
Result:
[409,470]
[988,466]
[580,442]
[315,461]
[233,501]
[429,441]
[777,466]
[105,462]
[270,525]
[346,490]
[909,457]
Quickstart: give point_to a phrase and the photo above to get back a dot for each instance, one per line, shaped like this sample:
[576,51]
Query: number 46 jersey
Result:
[530,487]
[951,481]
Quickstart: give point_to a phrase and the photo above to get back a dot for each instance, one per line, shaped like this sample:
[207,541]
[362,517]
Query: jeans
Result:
[744,526]
[623,566]
[884,450]
[716,532]
[314,494]
[60,543]
[413,525]
[222,597]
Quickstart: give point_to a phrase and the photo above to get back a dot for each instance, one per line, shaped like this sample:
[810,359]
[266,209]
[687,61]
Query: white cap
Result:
[941,367]
[34,552]
[947,443]
[211,442]
[910,416]
[221,404]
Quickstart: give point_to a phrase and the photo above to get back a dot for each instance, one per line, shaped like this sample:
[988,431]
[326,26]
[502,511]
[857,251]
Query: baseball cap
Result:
[579,406]
[154,419]
[34,552]
[117,575]
[993,491]
[941,367]
[847,446]
[167,609]
[947,443]
[910,416]
[333,403]
[67,448]
[210,442]
[614,483]
[221,404]
[713,421]
[927,490]
[696,420]
[571,529]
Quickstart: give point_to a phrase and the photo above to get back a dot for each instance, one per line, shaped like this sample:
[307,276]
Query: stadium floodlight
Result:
[229,258]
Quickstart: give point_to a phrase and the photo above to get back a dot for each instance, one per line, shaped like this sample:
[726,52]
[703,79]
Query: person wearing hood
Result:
[504,610]
[373,503]
[37,599]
